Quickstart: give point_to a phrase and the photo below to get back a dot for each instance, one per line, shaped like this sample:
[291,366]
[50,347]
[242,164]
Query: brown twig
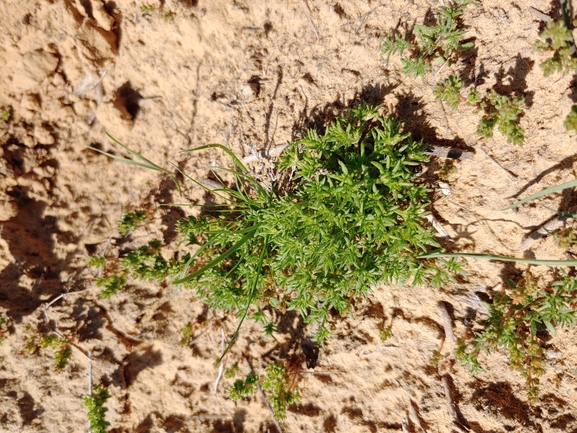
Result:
[542,16]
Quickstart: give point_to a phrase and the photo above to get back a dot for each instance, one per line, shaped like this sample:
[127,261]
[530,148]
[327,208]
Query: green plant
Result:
[566,237]
[500,110]
[231,371]
[386,333]
[516,317]
[94,402]
[448,169]
[243,388]
[282,388]
[571,119]
[504,112]
[449,90]
[130,220]
[145,263]
[354,216]
[186,333]
[277,380]
[440,42]
[5,115]
[148,9]
[37,340]
[557,38]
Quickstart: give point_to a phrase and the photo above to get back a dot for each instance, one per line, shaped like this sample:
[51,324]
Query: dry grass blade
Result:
[502,259]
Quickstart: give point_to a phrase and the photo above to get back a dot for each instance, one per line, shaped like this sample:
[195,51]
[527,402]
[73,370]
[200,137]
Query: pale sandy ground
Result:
[255,74]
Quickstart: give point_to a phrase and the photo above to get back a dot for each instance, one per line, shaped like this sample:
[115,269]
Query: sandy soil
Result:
[255,74]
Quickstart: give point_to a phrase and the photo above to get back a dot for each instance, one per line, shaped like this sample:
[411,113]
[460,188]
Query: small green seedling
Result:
[5,115]
[281,385]
[230,372]
[150,9]
[448,170]
[501,111]
[131,220]
[147,9]
[439,43]
[386,333]
[449,90]
[96,411]
[145,263]
[37,340]
[571,119]
[558,39]
[504,112]
[516,317]
[566,237]
[278,381]
[243,388]
[187,333]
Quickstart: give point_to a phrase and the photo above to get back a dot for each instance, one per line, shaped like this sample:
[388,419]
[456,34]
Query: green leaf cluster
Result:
[571,119]
[500,110]
[449,90]
[130,220]
[37,340]
[515,318]
[557,38]
[440,42]
[96,411]
[354,215]
[504,112]
[243,388]
[145,263]
[282,388]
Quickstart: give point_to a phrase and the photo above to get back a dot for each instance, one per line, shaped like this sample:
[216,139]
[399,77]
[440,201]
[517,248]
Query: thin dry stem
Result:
[221,368]
[447,325]
[308,14]
[415,416]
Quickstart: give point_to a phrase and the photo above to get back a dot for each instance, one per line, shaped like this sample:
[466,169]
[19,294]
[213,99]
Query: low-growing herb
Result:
[130,220]
[503,112]
[96,411]
[36,340]
[500,111]
[353,216]
[558,39]
[243,388]
[437,43]
[516,317]
[282,389]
